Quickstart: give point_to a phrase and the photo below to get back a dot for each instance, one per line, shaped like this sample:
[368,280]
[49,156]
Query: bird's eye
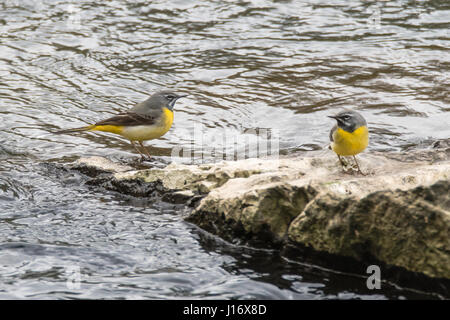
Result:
[170,97]
[346,117]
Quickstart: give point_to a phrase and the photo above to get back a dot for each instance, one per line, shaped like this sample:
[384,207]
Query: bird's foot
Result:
[145,158]
[350,168]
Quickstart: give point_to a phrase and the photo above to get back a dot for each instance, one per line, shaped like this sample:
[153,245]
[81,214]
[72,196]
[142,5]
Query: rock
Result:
[262,205]
[409,229]
[310,176]
[93,166]
[179,197]
[398,214]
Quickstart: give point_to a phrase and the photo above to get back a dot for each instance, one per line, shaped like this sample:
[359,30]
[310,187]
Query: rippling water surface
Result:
[277,65]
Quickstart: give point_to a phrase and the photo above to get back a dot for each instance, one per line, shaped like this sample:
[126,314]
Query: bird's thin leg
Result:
[137,149]
[357,165]
[343,163]
[145,150]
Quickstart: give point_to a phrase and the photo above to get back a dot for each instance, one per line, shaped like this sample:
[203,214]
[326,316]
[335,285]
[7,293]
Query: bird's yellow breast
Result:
[142,132]
[350,143]
[149,132]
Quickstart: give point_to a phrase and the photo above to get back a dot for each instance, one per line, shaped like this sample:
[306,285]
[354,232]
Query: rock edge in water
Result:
[399,214]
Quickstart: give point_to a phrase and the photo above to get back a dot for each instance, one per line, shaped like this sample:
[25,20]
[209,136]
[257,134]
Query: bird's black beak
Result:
[332,117]
[182,96]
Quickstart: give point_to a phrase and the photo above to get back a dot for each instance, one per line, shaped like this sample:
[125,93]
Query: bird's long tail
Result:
[75,130]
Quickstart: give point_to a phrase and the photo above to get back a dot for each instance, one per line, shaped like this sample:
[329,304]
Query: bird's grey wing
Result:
[140,107]
[147,107]
[332,132]
[129,119]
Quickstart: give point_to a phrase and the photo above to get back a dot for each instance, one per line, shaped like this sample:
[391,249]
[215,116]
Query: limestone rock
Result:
[397,214]
[409,229]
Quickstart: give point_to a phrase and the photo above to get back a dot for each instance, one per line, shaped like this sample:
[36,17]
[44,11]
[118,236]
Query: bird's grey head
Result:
[349,120]
[164,98]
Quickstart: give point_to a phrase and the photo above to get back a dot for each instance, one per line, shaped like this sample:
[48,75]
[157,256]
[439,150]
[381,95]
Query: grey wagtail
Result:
[147,120]
[349,136]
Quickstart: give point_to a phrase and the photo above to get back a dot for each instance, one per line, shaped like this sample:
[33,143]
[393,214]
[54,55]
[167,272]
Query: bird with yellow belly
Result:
[147,120]
[349,136]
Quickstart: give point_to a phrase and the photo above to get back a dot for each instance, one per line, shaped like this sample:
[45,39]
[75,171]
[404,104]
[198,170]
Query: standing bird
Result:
[147,120]
[349,136]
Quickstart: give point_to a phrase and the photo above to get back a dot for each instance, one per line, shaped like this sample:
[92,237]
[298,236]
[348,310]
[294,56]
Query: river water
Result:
[280,66]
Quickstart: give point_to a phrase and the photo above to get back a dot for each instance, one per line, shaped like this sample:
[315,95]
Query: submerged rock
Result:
[398,214]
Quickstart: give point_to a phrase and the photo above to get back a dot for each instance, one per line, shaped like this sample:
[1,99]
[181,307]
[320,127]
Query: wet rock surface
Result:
[398,215]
